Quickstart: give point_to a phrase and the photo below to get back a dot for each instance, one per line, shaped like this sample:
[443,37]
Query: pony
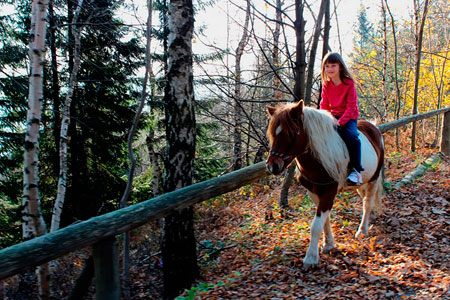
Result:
[310,137]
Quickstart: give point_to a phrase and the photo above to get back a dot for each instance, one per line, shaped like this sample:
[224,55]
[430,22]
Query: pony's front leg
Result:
[324,204]
[312,255]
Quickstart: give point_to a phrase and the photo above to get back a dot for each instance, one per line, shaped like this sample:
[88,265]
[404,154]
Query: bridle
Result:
[285,156]
[282,155]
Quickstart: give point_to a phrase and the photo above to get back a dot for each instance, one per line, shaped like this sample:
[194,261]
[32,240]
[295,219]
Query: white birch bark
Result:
[237,150]
[62,181]
[33,224]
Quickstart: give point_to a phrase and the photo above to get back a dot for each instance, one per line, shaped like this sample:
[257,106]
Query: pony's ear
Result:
[297,109]
[271,110]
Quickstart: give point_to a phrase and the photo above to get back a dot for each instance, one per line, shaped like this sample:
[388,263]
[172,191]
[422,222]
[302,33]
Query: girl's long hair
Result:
[335,58]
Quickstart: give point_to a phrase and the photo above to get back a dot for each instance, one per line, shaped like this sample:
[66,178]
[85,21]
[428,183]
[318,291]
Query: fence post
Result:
[106,264]
[445,139]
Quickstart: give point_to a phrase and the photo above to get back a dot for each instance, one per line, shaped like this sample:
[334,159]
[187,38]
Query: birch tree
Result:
[62,179]
[33,223]
[178,241]
[237,150]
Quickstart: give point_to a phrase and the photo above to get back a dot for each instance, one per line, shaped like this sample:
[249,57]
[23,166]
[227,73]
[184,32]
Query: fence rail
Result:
[53,245]
[402,122]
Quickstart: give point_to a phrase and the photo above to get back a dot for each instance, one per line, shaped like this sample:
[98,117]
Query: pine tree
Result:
[364,30]
[102,113]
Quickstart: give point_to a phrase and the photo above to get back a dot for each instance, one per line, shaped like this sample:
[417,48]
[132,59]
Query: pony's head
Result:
[286,135]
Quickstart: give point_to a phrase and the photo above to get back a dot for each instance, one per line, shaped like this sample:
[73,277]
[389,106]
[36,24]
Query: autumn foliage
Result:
[405,256]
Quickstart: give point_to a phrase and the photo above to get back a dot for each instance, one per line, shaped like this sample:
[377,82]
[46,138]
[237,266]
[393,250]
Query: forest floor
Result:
[243,254]
[406,254]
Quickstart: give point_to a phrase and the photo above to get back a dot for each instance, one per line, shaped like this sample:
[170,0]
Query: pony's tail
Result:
[377,203]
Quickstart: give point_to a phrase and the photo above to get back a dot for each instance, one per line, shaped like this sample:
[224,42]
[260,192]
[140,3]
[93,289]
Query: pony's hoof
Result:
[360,234]
[307,266]
[309,263]
[328,248]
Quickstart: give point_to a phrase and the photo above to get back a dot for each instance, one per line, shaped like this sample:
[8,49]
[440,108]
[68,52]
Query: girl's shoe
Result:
[354,178]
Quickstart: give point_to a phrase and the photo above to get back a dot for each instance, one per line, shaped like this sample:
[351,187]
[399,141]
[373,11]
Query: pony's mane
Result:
[323,140]
[325,143]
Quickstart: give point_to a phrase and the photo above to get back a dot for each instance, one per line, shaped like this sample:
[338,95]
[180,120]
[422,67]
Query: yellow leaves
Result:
[372,54]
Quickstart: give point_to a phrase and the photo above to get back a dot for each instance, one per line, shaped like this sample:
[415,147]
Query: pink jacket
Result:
[341,100]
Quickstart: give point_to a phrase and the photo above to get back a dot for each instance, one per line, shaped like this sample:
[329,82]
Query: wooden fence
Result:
[99,231]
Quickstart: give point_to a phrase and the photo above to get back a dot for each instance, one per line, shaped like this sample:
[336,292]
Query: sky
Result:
[214,20]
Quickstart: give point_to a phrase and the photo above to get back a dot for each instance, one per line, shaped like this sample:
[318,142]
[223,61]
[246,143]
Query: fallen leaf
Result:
[438,211]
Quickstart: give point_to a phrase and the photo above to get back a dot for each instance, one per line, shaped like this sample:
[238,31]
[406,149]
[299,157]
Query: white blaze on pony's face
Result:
[278,130]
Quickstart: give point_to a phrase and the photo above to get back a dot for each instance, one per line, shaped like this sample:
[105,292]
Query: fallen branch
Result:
[419,171]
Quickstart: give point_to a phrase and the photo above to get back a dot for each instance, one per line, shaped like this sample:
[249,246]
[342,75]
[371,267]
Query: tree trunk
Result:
[300,63]
[178,241]
[62,179]
[132,167]
[337,27]
[385,62]
[326,38]
[55,81]
[418,53]
[277,95]
[83,281]
[237,150]
[33,223]
[398,100]
[445,139]
[440,89]
[299,88]
[312,53]
[106,266]
[157,173]
[326,29]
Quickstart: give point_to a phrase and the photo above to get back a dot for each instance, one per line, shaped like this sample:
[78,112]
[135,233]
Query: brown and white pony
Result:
[310,137]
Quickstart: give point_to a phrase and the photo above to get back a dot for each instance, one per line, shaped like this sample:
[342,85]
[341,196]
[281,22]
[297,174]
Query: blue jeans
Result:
[349,133]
